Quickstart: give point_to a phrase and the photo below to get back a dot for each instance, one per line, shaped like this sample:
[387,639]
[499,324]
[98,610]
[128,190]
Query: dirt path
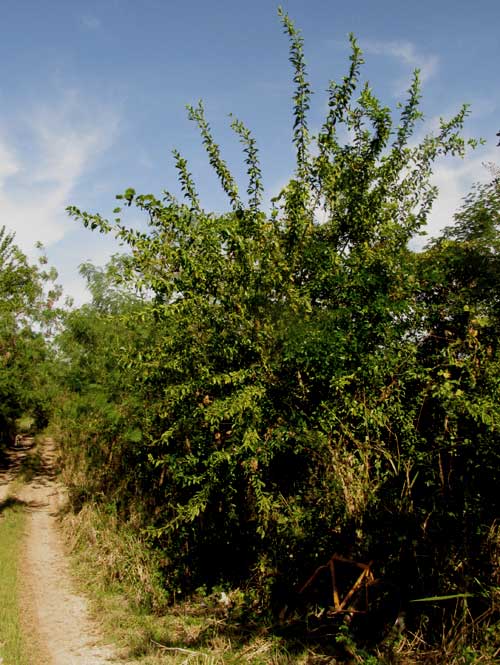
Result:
[59,628]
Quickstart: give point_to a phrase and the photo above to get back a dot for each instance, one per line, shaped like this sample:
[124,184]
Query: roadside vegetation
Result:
[12,644]
[28,319]
[257,406]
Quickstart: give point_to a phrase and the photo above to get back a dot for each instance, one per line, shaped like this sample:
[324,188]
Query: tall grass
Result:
[208,628]
[128,597]
[12,520]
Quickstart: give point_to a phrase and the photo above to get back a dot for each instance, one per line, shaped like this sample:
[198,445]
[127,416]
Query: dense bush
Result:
[297,383]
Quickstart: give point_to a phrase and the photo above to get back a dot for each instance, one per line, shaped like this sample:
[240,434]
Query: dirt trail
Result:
[56,618]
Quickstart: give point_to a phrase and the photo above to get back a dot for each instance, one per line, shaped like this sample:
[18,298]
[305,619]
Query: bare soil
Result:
[55,617]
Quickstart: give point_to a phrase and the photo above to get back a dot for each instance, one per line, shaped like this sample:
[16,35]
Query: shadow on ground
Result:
[11,502]
[23,462]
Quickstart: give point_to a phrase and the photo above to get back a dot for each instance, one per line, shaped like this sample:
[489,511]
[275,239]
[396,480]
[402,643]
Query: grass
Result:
[128,600]
[12,520]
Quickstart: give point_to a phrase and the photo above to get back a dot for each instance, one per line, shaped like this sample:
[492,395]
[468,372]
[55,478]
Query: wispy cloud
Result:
[406,53]
[8,164]
[91,23]
[37,179]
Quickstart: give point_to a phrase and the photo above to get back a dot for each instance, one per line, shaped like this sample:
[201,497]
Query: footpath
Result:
[55,618]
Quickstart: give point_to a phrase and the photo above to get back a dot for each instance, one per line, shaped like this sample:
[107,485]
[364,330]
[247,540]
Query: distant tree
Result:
[26,312]
[96,406]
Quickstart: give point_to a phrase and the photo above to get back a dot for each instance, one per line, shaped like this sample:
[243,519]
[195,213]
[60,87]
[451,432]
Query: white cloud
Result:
[454,180]
[36,182]
[406,53]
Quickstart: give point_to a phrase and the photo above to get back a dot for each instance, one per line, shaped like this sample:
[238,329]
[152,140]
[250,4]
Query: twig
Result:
[179,649]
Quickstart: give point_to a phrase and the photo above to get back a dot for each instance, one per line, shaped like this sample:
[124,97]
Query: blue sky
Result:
[93,95]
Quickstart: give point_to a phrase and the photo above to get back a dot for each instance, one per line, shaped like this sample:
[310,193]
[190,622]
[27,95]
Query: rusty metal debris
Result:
[363,581]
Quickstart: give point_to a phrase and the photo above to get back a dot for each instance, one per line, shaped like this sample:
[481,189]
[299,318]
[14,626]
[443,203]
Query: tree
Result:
[95,407]
[459,275]
[285,377]
[26,312]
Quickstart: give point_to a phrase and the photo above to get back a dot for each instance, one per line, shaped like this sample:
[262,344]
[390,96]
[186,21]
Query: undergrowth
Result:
[216,626]
[128,597]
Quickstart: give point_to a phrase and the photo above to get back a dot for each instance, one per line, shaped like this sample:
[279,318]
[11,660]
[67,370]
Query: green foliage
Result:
[300,383]
[96,401]
[27,315]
